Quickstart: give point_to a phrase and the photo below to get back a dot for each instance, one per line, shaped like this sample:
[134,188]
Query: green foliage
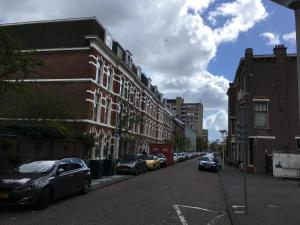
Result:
[14,63]
[87,139]
[201,143]
[50,129]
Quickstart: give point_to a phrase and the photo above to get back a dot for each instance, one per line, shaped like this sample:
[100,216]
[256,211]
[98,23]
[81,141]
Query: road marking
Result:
[183,220]
[239,212]
[272,206]
[238,206]
[214,219]
[179,213]
[193,207]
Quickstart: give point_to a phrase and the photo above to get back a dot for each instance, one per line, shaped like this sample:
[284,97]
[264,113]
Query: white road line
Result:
[183,220]
[238,206]
[192,207]
[212,222]
[239,212]
[179,213]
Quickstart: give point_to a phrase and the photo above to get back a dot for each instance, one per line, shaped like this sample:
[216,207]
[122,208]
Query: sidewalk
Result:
[270,201]
[109,180]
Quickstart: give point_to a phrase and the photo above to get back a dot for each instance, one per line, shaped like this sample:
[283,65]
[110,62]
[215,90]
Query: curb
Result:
[103,184]
[226,200]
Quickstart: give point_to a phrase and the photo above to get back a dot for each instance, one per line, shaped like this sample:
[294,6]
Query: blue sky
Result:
[280,21]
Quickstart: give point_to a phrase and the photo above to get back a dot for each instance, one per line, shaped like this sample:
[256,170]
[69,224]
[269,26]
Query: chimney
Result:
[149,82]
[249,53]
[161,95]
[279,50]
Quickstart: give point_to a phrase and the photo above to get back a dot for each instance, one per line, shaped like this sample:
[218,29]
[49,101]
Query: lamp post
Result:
[295,5]
[223,133]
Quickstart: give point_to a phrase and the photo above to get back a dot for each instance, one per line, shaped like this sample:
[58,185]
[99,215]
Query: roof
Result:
[258,57]
[56,33]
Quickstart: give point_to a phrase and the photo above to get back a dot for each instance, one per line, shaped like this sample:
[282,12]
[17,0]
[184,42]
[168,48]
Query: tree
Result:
[15,63]
[128,117]
[201,143]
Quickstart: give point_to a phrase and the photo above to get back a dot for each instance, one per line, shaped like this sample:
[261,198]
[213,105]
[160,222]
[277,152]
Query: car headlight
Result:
[29,187]
[132,165]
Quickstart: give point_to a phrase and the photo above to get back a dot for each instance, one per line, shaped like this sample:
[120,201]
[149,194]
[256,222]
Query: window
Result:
[107,111]
[99,68]
[122,82]
[96,108]
[109,79]
[261,114]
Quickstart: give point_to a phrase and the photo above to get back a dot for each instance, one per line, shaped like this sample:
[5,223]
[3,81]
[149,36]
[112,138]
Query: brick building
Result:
[263,108]
[97,80]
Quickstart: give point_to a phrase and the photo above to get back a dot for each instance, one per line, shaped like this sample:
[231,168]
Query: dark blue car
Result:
[38,182]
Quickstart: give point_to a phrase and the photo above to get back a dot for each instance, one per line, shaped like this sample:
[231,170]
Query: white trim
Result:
[260,100]
[55,80]
[55,21]
[262,137]
[57,49]
[297,138]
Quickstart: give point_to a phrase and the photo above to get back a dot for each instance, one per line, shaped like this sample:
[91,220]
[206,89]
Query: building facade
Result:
[263,109]
[205,135]
[191,114]
[98,82]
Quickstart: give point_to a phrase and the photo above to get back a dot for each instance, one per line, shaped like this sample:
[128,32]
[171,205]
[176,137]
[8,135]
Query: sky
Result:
[189,48]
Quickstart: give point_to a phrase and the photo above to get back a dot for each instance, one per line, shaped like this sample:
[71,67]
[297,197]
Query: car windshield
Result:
[150,157]
[206,159]
[36,167]
[130,158]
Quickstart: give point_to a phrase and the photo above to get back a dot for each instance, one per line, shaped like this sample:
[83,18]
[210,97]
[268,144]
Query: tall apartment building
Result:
[191,114]
[94,75]
[263,108]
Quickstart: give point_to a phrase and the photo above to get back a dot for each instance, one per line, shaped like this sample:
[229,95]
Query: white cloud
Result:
[172,45]
[240,16]
[290,37]
[216,121]
[272,39]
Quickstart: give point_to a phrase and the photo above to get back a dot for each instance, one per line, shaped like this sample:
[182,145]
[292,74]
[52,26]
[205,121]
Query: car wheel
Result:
[44,198]
[136,172]
[199,168]
[86,186]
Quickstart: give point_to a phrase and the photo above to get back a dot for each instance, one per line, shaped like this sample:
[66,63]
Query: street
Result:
[178,194]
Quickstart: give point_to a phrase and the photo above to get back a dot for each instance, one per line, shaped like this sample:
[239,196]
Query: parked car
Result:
[207,163]
[152,162]
[181,156]
[162,159]
[175,157]
[36,183]
[132,164]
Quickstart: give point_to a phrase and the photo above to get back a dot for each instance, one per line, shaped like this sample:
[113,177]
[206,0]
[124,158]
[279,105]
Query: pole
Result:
[297,21]
[244,163]
[223,152]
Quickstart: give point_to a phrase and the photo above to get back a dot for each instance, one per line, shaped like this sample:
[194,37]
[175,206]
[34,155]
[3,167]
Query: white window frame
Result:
[266,101]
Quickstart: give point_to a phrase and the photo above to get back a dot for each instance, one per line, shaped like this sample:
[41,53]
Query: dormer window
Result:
[128,60]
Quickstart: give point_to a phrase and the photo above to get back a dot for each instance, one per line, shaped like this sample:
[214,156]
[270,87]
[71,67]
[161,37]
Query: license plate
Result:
[3,195]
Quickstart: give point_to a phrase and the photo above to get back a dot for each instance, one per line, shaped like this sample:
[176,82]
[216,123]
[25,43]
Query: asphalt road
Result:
[177,195]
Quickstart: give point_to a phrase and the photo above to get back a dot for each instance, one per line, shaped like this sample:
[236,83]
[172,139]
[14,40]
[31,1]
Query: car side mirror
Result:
[60,171]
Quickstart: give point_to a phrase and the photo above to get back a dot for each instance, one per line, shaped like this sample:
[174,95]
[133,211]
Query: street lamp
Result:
[295,5]
[223,133]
